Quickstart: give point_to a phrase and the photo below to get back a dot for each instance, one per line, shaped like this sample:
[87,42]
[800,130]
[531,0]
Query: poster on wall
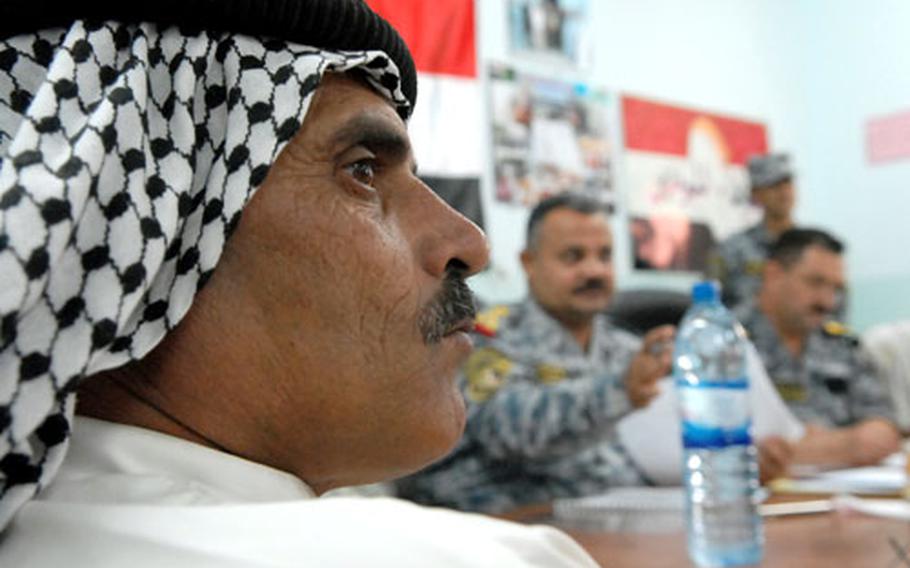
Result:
[888,138]
[686,182]
[554,29]
[549,136]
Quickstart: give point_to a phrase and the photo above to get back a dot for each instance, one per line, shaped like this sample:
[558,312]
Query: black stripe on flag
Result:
[462,193]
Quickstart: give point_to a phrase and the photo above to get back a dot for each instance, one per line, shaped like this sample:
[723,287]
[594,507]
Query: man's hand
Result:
[866,443]
[774,457]
[653,361]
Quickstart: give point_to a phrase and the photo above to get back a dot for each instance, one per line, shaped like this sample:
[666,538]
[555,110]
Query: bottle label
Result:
[715,415]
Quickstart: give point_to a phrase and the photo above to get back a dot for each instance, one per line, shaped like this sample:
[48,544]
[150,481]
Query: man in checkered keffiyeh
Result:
[129,150]
[320,353]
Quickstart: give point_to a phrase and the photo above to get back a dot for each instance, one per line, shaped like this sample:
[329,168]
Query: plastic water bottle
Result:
[720,470]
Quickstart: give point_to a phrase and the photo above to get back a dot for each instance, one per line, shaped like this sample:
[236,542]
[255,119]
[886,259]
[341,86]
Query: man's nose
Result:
[471,246]
[828,298]
[595,266]
[458,241]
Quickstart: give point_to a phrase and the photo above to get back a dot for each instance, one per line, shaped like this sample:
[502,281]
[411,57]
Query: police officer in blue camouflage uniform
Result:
[818,368]
[737,262]
[547,385]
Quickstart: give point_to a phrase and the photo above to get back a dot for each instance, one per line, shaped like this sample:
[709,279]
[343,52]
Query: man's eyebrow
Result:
[377,134]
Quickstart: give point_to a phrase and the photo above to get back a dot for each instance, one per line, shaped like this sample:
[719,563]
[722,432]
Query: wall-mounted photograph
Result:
[549,136]
[551,29]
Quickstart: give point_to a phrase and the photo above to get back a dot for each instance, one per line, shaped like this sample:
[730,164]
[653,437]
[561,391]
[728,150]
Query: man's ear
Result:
[527,259]
[772,271]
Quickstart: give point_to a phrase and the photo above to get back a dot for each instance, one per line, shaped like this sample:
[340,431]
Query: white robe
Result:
[131,497]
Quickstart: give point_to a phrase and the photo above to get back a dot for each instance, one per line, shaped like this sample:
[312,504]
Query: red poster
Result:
[686,181]
[665,129]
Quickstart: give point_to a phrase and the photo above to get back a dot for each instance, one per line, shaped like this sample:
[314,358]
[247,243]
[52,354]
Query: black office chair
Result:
[641,309]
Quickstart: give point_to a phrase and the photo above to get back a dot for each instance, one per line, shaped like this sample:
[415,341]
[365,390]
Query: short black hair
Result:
[579,202]
[790,245]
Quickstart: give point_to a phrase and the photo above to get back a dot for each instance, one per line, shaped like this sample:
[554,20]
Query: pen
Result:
[796,508]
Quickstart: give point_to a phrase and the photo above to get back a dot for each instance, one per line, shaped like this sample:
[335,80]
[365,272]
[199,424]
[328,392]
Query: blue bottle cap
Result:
[706,291]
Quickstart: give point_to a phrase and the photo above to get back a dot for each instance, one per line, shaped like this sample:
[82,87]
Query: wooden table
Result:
[826,540]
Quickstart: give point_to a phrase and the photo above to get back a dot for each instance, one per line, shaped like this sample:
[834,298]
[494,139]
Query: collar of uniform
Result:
[110,462]
[542,325]
[766,338]
[761,332]
[761,234]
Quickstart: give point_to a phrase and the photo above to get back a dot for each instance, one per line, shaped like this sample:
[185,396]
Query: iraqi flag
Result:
[446,127]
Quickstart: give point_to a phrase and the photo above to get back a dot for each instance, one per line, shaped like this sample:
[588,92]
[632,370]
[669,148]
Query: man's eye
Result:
[570,257]
[363,171]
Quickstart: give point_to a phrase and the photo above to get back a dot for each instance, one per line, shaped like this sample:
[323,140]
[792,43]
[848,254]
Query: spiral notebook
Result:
[656,509]
[625,509]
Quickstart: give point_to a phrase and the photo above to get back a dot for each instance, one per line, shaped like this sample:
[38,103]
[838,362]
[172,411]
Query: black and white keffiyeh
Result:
[128,152]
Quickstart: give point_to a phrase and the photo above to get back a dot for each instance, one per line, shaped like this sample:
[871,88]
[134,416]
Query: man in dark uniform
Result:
[737,263]
[817,367]
[548,384]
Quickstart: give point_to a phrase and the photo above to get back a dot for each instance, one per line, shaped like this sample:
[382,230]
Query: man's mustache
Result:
[822,310]
[452,307]
[590,285]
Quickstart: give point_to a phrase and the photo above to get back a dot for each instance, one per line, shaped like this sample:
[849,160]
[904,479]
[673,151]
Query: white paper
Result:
[871,480]
[888,508]
[652,437]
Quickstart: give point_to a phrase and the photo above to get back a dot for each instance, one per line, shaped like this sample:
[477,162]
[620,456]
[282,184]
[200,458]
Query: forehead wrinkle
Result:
[369,128]
[376,132]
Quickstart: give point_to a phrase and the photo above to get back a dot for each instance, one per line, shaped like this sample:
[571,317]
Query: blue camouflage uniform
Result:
[833,383]
[541,416]
[738,262]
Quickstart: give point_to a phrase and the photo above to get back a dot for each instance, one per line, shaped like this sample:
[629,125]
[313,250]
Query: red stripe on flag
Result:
[440,33]
[664,129]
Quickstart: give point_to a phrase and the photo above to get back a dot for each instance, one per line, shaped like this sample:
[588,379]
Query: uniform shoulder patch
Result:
[717,266]
[755,267]
[835,328]
[550,374]
[487,321]
[839,330]
[485,371]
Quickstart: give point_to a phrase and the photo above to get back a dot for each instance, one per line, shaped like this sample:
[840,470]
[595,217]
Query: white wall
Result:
[812,70]
[856,57]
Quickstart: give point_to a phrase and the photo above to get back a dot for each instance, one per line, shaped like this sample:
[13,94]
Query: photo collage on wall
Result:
[549,136]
